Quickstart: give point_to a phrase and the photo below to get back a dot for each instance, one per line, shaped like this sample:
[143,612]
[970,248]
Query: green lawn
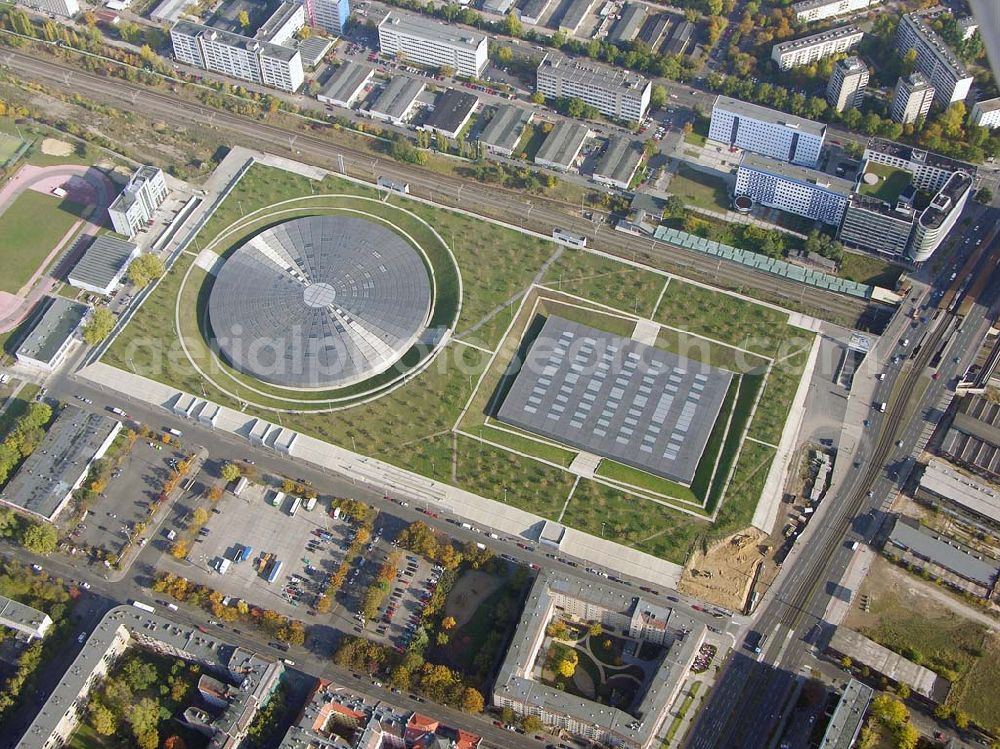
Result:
[531,140]
[16,407]
[699,134]
[869,270]
[891,182]
[30,227]
[699,189]
[9,145]
[606,281]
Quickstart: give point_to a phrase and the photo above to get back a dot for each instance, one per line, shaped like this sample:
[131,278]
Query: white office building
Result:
[911,99]
[808,11]
[946,73]
[766,131]
[847,84]
[614,93]
[237,56]
[809,49]
[433,44]
[794,189]
[329,15]
[66,8]
[135,205]
[986,113]
[940,217]
[283,24]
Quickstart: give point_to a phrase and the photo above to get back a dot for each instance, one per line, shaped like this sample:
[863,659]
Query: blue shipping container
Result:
[245,553]
[275,571]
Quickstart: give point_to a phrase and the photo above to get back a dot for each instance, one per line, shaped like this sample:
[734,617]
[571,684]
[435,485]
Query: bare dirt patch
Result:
[470,590]
[723,576]
[56,147]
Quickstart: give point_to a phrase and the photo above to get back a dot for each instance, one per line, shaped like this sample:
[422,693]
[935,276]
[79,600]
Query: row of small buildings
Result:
[779,170]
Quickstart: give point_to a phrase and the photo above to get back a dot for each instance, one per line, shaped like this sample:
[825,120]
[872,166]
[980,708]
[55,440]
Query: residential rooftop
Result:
[919,21]
[845,723]
[604,77]
[279,18]
[830,182]
[23,618]
[918,156]
[433,31]
[813,39]
[772,116]
[276,51]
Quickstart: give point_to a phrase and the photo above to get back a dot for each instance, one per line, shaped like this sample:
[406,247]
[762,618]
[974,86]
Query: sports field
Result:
[9,145]
[435,423]
[29,229]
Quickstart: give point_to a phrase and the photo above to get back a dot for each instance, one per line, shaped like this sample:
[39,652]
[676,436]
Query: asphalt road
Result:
[754,692]
[535,212]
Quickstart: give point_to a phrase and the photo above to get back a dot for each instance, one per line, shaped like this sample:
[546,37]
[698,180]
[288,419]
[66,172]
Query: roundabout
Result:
[318,303]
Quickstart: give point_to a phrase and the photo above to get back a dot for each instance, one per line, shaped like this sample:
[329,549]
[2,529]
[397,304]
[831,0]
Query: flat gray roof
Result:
[617,398]
[800,173]
[313,49]
[276,20]
[949,483]
[869,653]
[773,116]
[574,14]
[103,262]
[451,110]
[603,77]
[504,130]
[235,40]
[943,551]
[397,96]
[228,662]
[988,105]
[845,723]
[562,145]
[17,615]
[57,464]
[345,81]
[620,159]
[629,23]
[59,321]
[813,39]
[433,31]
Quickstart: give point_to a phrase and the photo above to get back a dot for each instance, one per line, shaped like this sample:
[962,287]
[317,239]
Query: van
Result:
[172,606]
[854,545]
[176,432]
[881,407]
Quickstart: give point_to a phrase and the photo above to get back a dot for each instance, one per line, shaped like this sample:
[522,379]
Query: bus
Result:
[277,499]
[296,501]
[143,606]
[568,238]
[310,503]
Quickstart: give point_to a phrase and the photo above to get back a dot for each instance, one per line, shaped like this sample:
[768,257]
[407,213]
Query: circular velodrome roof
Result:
[320,302]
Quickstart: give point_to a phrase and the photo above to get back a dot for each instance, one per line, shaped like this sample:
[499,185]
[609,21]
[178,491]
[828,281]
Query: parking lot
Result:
[125,501]
[272,536]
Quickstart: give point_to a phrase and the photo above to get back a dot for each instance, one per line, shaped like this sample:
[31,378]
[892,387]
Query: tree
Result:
[903,692]
[199,516]
[39,538]
[472,700]
[595,629]
[448,622]
[99,327]
[179,550]
[984,195]
[144,269]
[906,736]
[532,723]
[231,472]
[442,639]
[538,98]
[658,97]
[846,662]
[567,663]
[102,719]
[175,741]
[961,719]
[139,674]
[244,19]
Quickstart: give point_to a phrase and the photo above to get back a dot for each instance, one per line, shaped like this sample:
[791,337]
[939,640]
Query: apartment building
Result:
[808,11]
[237,56]
[847,84]
[928,171]
[135,205]
[911,99]
[935,60]
[766,131]
[433,44]
[940,217]
[620,94]
[794,189]
[808,49]
[986,113]
[329,15]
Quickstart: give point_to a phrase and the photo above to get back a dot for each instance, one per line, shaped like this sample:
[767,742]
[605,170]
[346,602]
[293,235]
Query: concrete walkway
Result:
[386,477]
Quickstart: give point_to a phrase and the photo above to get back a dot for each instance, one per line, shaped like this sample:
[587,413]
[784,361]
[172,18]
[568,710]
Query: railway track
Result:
[537,213]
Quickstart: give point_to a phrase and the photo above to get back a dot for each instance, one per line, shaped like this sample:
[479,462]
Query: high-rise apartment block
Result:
[615,93]
[809,49]
[946,73]
[986,113]
[433,44]
[794,189]
[808,11]
[911,99]
[847,84]
[329,15]
[766,131]
[135,205]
